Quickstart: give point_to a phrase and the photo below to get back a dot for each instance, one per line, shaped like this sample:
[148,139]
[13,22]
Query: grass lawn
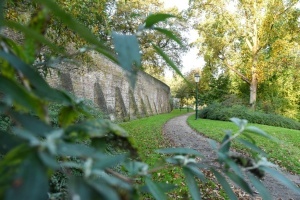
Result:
[147,136]
[286,153]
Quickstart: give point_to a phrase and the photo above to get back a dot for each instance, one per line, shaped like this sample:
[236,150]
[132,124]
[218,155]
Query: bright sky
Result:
[190,60]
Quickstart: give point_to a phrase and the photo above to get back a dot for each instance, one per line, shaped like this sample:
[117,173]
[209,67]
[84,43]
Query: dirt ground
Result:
[180,134]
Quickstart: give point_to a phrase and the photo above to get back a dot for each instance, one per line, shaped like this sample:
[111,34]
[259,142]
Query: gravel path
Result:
[180,134]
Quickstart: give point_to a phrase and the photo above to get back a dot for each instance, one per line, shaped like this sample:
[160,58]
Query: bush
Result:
[217,111]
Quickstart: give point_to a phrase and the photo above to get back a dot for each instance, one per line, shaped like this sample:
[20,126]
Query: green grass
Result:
[147,136]
[286,153]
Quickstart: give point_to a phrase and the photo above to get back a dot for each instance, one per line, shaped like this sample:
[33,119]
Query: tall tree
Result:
[244,36]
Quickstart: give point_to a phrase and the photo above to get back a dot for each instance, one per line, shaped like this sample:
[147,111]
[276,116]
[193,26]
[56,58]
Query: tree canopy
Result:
[258,41]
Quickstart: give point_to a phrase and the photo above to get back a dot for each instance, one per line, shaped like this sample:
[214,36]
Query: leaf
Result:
[169,34]
[281,178]
[182,151]
[8,141]
[104,190]
[48,160]
[135,168]
[240,182]
[241,123]
[67,115]
[20,96]
[155,190]
[213,144]
[155,18]
[129,57]
[30,182]
[78,150]
[105,161]
[41,87]
[97,128]
[191,183]
[77,27]
[78,188]
[225,158]
[30,33]
[263,192]
[251,146]
[195,170]
[225,144]
[24,134]
[258,131]
[224,184]
[32,124]
[169,61]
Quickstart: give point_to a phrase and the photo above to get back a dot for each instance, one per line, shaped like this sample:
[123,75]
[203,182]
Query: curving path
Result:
[178,132]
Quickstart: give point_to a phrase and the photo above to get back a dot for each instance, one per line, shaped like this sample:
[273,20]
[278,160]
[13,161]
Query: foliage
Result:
[285,153]
[218,111]
[255,40]
[89,152]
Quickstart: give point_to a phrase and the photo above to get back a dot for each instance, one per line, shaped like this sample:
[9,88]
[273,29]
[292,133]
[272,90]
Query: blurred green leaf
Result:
[67,115]
[241,123]
[135,168]
[169,34]
[281,178]
[258,131]
[78,150]
[78,188]
[27,135]
[30,181]
[251,146]
[77,27]
[106,192]
[155,190]
[105,161]
[229,162]
[129,57]
[181,151]
[155,18]
[20,96]
[32,124]
[224,184]
[191,183]
[111,180]
[240,182]
[48,160]
[8,141]
[196,171]
[263,192]
[97,128]
[213,144]
[169,61]
[30,33]
[41,87]
[225,144]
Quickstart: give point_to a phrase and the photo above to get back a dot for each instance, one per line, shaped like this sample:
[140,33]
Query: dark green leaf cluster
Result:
[218,111]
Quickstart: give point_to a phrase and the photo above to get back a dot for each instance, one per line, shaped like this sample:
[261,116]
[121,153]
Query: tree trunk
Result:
[254,83]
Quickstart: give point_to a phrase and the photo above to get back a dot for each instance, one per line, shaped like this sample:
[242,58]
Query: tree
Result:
[244,36]
[129,15]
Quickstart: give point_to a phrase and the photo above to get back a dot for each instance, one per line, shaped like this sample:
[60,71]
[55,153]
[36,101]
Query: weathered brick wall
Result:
[106,84]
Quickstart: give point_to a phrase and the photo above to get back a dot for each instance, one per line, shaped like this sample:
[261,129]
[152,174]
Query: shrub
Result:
[217,111]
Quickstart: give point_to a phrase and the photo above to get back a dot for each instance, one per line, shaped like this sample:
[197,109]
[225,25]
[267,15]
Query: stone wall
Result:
[106,84]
